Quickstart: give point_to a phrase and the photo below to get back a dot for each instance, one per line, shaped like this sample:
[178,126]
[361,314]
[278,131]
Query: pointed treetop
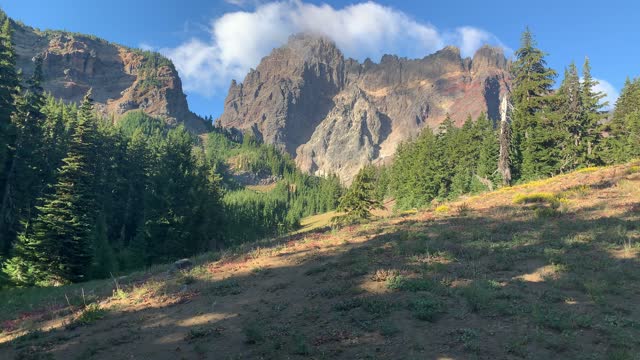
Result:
[88,97]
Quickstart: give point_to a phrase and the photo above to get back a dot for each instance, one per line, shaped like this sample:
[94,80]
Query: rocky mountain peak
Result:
[488,57]
[334,115]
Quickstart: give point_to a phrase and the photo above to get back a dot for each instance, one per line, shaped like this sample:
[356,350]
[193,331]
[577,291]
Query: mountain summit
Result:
[334,115]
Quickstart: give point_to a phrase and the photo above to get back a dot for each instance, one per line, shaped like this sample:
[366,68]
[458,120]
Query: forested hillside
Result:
[544,131]
[85,197]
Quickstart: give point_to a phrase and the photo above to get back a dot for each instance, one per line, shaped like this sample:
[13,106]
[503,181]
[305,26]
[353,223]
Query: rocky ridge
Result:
[335,114]
[123,79]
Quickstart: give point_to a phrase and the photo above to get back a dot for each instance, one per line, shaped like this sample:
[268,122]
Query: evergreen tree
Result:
[26,169]
[489,150]
[58,247]
[104,262]
[8,90]
[593,114]
[532,82]
[570,124]
[416,172]
[624,129]
[360,198]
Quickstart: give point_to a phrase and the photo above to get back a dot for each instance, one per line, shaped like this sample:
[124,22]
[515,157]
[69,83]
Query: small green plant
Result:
[202,332]
[552,318]
[91,314]
[120,294]
[376,307]
[469,339]
[478,295]
[588,169]
[260,270]
[332,292]
[403,283]
[546,212]
[633,169]
[442,209]
[533,198]
[348,304]
[373,306]
[188,280]
[578,190]
[226,287]
[426,308]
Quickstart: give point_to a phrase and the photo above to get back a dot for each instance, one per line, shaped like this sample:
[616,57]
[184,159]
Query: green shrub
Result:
[426,308]
[403,283]
[533,198]
[478,295]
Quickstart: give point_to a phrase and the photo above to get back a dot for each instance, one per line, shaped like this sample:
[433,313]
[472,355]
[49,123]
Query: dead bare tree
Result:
[504,162]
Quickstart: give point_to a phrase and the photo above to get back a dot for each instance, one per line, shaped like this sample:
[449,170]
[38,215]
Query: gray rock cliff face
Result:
[334,115]
[122,79]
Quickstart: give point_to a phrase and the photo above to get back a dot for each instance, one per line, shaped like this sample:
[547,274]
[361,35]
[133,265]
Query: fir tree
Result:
[360,198]
[532,82]
[489,150]
[104,260]
[570,124]
[26,169]
[593,114]
[8,90]
[58,247]
[624,129]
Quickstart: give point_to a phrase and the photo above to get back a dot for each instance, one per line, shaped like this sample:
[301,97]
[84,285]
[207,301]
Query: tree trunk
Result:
[504,162]
[5,206]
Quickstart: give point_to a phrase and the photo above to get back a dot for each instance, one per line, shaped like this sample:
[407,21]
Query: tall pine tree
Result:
[57,248]
[8,90]
[593,106]
[532,82]
[624,129]
[570,114]
[26,169]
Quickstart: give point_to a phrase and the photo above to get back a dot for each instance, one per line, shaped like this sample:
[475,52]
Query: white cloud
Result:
[145,46]
[238,40]
[611,92]
[236,2]
[470,39]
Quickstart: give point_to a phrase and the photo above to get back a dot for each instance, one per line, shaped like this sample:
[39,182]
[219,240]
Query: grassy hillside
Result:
[543,270]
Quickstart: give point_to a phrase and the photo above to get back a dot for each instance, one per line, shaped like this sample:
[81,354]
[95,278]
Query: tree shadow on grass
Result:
[451,287]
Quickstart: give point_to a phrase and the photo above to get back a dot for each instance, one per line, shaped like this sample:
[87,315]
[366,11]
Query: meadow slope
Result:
[545,270]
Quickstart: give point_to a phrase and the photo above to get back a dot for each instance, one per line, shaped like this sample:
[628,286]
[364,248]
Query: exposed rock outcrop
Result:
[122,79]
[335,114]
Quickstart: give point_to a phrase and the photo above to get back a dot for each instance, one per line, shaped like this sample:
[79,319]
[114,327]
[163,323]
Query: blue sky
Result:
[212,42]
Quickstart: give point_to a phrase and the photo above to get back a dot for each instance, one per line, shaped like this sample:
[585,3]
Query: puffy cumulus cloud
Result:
[238,40]
[609,90]
[470,39]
